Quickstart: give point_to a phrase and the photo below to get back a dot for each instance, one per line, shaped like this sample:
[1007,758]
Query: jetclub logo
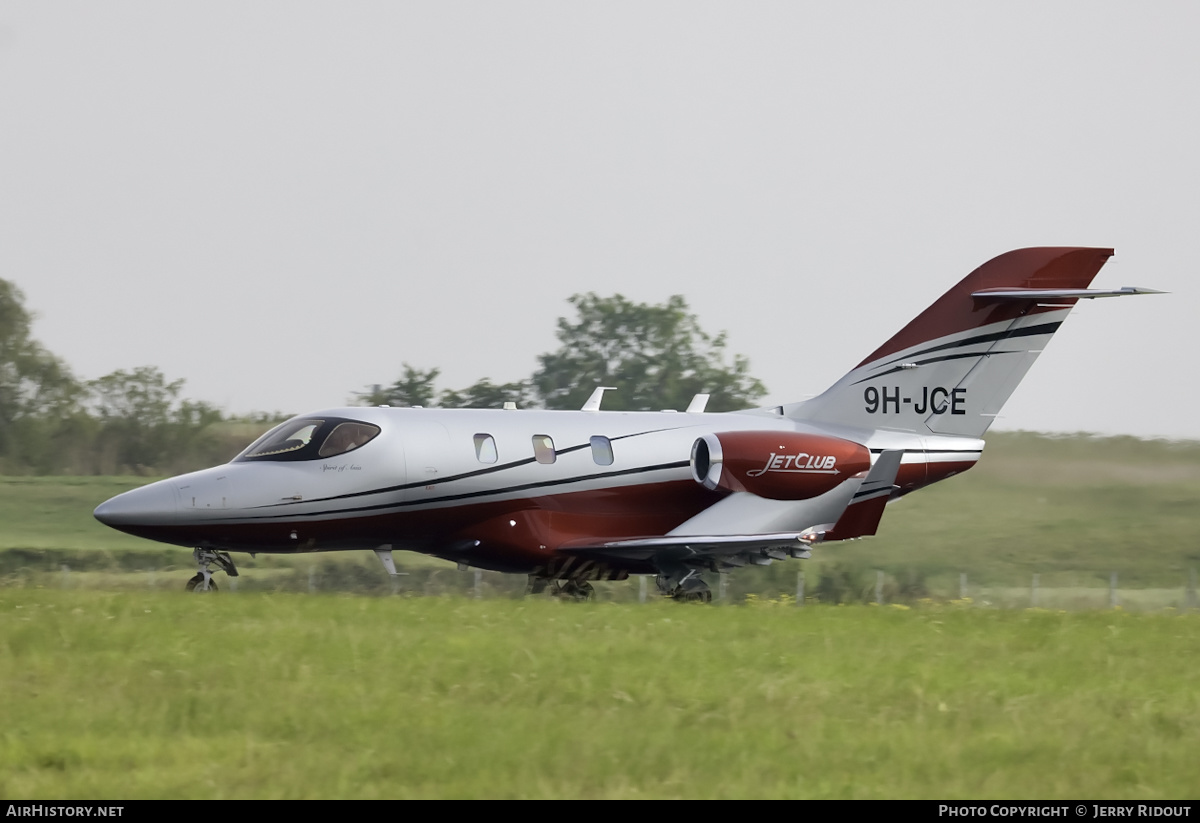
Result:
[802,463]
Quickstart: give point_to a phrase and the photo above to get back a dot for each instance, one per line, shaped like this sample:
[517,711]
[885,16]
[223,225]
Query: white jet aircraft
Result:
[567,497]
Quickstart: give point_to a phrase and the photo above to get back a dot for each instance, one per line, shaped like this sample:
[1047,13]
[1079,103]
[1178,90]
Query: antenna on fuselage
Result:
[699,402]
[593,402]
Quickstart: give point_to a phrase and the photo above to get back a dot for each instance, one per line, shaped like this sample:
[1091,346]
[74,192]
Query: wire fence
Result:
[797,584]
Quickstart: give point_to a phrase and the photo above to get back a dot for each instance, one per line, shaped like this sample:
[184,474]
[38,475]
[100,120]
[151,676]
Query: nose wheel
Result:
[203,581]
[200,583]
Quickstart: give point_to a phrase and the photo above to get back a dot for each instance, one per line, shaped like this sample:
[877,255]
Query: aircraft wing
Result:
[720,549]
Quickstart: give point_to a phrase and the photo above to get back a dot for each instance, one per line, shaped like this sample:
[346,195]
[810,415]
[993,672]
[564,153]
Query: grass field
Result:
[116,685]
[129,695]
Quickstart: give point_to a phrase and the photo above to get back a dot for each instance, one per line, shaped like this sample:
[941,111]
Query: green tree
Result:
[487,395]
[657,356]
[39,397]
[144,425]
[419,388]
[414,388]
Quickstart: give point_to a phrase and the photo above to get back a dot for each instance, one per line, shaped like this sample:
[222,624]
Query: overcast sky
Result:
[281,202]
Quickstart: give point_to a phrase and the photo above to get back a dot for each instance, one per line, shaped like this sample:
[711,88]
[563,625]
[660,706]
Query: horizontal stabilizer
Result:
[950,370]
[1059,294]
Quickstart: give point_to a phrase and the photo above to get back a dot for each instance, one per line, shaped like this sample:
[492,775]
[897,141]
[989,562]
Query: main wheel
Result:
[198,580]
[584,591]
[573,590]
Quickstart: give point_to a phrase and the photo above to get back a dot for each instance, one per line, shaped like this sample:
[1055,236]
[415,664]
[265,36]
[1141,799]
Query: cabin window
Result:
[347,437]
[485,448]
[602,451]
[543,448]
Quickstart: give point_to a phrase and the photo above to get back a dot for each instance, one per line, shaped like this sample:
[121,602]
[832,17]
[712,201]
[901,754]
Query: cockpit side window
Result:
[347,437]
[309,439]
[291,436]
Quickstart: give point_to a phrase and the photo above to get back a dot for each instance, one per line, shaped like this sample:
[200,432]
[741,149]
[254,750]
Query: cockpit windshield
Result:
[310,439]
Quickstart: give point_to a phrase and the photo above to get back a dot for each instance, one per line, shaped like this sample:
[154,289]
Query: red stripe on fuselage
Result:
[543,522]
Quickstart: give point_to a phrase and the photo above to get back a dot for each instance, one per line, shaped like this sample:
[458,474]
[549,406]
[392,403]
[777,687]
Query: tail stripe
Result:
[992,337]
[929,360]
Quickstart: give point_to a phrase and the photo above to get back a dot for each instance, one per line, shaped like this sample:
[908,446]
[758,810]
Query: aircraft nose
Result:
[156,503]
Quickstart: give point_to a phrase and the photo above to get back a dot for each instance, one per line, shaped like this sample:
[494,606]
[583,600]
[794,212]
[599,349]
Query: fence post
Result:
[1033,591]
[800,588]
[641,588]
[478,583]
[721,578]
[1113,600]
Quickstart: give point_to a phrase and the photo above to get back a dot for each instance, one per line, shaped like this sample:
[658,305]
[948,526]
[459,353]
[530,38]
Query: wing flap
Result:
[716,546]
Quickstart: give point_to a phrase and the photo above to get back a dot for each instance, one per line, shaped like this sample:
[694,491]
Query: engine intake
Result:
[776,465]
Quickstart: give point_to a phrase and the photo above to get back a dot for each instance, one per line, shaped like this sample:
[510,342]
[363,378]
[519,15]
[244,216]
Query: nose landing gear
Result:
[203,581]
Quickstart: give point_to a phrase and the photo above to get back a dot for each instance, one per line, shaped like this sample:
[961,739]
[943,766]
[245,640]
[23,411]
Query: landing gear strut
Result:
[203,581]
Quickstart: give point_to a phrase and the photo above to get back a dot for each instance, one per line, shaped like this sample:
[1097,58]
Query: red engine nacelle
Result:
[776,465]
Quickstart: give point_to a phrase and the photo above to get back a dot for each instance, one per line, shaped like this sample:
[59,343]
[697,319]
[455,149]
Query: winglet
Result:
[699,402]
[861,518]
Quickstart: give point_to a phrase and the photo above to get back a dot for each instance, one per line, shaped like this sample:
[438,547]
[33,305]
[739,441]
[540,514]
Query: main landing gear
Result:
[572,590]
[697,594]
[683,585]
[203,581]
[575,590]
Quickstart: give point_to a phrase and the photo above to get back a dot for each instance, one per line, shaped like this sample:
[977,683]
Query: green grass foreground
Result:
[129,695]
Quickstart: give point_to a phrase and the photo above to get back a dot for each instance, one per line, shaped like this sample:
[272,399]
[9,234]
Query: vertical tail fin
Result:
[951,369]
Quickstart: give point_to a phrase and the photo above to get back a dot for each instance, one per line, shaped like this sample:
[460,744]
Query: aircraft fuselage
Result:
[422,484]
